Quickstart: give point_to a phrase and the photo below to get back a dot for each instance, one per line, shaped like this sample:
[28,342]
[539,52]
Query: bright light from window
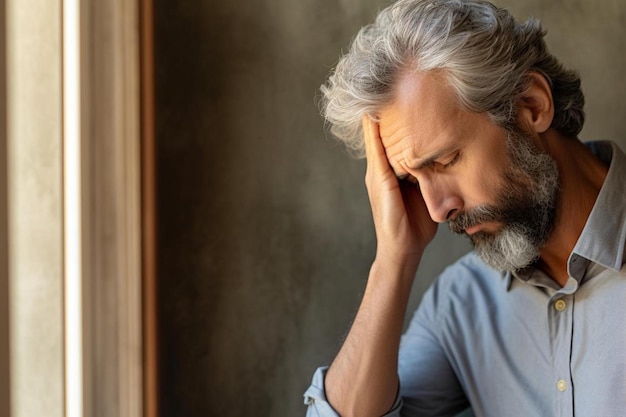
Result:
[72,209]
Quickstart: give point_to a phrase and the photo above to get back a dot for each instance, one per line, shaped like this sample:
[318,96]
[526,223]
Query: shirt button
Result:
[560,305]
[561,385]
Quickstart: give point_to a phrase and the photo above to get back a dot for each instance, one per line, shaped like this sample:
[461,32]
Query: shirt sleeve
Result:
[318,406]
[428,383]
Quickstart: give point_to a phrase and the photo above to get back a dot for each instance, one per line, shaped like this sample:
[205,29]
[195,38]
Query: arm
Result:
[362,380]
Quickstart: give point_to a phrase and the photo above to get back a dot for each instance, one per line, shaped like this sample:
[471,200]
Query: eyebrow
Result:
[433,158]
[427,161]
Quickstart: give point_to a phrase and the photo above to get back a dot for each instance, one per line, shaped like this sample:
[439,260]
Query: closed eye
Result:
[452,161]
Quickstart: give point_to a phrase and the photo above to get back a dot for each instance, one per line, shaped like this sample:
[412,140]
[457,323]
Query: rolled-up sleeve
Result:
[318,406]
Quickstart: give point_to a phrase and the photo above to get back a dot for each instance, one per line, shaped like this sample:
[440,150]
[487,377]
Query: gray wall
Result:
[265,235]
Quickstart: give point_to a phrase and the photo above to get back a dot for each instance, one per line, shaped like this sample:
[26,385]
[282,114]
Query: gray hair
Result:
[484,53]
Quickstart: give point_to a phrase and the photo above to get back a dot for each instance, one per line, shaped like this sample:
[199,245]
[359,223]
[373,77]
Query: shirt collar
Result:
[604,236]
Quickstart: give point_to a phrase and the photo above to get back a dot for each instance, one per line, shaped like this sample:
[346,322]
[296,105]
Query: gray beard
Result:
[525,207]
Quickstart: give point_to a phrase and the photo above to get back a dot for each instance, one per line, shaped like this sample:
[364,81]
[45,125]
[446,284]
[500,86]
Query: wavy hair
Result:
[485,54]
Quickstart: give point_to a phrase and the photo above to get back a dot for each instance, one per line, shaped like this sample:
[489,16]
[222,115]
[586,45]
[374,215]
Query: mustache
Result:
[474,216]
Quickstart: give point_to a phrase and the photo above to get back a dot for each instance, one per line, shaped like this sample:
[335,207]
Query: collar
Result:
[604,235]
[603,238]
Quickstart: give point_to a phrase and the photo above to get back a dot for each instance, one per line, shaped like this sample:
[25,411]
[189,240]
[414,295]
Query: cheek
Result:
[483,183]
[488,164]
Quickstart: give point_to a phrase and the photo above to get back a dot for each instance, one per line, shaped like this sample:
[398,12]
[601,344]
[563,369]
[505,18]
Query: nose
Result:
[442,202]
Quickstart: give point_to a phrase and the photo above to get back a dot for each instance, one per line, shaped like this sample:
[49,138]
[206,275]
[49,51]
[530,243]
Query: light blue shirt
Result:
[516,344]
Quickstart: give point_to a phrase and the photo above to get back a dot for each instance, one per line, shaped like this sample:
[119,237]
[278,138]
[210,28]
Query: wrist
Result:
[408,256]
[403,265]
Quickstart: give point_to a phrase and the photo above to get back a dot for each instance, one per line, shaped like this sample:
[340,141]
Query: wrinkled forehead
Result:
[425,108]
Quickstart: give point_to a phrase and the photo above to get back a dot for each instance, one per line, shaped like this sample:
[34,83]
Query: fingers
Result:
[374,151]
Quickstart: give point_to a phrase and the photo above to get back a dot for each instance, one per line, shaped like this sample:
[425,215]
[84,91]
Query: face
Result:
[525,206]
[495,186]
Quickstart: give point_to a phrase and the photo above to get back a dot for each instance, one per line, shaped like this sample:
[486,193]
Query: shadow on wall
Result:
[265,234]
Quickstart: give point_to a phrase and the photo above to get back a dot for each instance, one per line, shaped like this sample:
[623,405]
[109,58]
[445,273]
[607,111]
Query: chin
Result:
[508,250]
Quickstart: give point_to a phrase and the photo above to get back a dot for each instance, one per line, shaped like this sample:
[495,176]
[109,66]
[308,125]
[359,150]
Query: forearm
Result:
[362,380]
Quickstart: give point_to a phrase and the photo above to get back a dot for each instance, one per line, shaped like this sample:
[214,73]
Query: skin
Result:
[448,160]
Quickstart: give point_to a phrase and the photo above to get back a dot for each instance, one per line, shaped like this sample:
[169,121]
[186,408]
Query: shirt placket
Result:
[560,321]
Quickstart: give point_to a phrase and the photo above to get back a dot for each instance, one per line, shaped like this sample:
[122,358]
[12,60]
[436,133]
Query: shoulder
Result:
[470,275]
[462,287]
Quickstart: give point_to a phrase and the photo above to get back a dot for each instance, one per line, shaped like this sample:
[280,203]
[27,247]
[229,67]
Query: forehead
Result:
[424,116]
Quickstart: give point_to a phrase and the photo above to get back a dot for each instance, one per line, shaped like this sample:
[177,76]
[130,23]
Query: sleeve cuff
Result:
[318,406]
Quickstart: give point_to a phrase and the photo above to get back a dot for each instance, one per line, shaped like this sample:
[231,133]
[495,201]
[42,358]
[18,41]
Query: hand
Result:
[403,226]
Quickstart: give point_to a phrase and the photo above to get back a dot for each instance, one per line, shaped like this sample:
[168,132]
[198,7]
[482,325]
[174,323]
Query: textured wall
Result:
[35,211]
[265,235]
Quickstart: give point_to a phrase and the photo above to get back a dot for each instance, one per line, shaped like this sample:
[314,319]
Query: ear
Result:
[536,107]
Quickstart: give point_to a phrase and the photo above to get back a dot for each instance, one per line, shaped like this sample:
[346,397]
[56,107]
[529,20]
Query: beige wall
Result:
[5,380]
[34,206]
[70,345]
[265,235]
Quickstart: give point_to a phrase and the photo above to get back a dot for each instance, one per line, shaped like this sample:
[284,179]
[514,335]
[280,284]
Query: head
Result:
[483,64]
[484,53]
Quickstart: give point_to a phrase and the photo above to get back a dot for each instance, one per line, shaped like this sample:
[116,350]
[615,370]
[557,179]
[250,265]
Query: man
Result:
[465,118]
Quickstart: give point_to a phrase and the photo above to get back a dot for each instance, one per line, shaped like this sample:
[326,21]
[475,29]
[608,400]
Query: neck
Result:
[581,176]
